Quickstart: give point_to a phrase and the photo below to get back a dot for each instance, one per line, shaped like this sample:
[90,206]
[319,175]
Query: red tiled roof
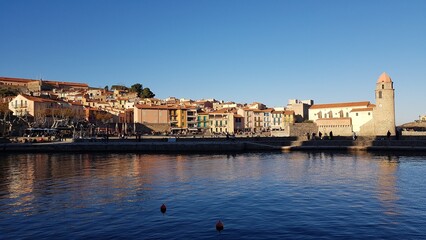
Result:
[38,99]
[362,109]
[76,103]
[384,78]
[8,79]
[66,83]
[144,106]
[341,105]
[223,110]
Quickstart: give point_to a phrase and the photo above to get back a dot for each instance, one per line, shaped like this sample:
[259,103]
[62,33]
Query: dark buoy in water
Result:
[219,226]
[163,208]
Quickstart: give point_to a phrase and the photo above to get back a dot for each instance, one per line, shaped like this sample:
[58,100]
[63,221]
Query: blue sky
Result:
[233,50]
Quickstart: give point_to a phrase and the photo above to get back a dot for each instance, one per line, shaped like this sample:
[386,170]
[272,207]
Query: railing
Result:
[20,106]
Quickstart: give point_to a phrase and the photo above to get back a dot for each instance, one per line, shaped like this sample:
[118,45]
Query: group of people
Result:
[313,136]
[330,136]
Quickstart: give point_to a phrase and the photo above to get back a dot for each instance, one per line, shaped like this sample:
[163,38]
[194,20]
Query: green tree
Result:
[7,92]
[4,109]
[146,93]
[118,87]
[106,88]
[103,116]
[137,88]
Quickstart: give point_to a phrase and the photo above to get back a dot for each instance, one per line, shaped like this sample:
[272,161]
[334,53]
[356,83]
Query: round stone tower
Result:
[384,112]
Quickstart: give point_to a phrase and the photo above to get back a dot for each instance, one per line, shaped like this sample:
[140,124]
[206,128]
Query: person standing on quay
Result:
[354,137]
[388,134]
[331,135]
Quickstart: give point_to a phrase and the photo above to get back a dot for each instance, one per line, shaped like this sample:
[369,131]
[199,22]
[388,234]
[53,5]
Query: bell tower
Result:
[384,112]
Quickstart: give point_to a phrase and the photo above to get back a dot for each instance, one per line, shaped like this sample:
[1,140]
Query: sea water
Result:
[295,195]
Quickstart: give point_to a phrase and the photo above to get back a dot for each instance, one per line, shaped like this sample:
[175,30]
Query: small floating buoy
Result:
[219,226]
[163,208]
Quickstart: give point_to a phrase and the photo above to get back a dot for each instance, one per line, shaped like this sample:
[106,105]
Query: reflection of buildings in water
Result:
[106,178]
[328,168]
[386,183]
[19,180]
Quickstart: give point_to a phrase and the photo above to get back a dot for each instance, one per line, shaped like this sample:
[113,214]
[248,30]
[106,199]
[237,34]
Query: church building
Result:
[363,118]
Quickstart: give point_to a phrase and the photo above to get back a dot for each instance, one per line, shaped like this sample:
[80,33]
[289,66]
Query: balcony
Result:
[19,106]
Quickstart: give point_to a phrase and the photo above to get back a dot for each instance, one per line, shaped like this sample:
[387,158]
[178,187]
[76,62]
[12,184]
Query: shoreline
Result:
[214,145]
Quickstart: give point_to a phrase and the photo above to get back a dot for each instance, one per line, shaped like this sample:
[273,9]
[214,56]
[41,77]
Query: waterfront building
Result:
[248,116]
[191,119]
[151,114]
[178,119]
[43,110]
[341,118]
[225,121]
[384,112]
[363,118]
[300,108]
[258,120]
[203,122]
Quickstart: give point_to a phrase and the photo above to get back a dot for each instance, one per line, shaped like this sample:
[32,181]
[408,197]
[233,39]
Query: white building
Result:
[363,117]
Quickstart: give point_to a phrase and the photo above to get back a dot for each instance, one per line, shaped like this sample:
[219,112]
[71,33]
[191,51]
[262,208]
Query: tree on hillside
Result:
[118,87]
[103,116]
[4,109]
[5,120]
[137,88]
[146,93]
[7,92]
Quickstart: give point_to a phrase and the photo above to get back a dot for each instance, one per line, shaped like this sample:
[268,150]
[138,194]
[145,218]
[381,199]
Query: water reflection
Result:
[105,179]
[386,183]
[257,195]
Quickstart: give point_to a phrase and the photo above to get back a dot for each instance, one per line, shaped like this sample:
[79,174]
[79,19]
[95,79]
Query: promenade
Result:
[214,145]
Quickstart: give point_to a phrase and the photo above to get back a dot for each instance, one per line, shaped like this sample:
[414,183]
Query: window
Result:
[356,114]
[380,94]
[383,86]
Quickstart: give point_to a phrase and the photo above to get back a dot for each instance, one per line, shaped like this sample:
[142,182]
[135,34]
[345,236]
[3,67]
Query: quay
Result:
[214,145]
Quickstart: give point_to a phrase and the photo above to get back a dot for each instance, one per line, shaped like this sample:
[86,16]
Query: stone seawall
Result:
[100,147]
[216,145]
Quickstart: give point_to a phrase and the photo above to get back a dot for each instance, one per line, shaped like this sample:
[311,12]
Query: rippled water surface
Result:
[256,196]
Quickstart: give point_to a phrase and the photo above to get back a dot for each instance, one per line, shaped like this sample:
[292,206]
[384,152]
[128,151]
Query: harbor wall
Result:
[215,145]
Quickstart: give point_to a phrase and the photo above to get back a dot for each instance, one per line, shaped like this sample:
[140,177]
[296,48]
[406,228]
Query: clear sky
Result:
[232,50]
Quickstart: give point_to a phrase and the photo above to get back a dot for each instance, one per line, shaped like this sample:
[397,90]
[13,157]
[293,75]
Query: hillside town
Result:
[54,108]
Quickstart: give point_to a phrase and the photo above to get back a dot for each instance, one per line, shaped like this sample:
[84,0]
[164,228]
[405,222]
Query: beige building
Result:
[151,114]
[281,119]
[225,121]
[44,110]
[300,108]
[16,82]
